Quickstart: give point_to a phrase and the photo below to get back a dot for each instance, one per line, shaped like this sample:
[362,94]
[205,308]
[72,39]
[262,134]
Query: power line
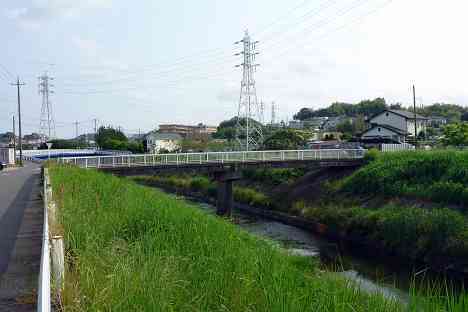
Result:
[5,70]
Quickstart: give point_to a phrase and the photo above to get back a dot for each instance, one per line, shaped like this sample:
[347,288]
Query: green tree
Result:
[464,117]
[287,139]
[456,134]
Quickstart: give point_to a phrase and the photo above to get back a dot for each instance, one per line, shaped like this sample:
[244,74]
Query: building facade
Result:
[186,130]
[157,142]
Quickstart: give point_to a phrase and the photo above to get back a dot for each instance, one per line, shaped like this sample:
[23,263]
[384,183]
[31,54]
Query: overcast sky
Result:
[139,63]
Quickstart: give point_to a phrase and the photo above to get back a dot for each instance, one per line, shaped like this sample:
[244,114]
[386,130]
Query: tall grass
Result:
[204,185]
[440,176]
[132,248]
[410,231]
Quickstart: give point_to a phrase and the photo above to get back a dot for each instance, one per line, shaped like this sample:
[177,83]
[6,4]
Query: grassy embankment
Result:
[415,191]
[411,203]
[133,248]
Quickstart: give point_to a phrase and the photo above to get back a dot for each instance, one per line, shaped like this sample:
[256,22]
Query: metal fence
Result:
[397,147]
[212,158]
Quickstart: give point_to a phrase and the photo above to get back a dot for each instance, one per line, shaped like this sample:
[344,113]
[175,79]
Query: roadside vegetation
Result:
[133,248]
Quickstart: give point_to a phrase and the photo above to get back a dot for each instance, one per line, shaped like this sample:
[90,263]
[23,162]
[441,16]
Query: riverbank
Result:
[135,248]
[348,206]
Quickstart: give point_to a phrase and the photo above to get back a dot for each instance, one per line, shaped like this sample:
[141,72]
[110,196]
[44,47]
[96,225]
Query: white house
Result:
[156,142]
[400,119]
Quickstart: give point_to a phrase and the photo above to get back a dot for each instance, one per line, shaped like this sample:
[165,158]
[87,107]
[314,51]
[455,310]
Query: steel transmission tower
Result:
[47,123]
[249,133]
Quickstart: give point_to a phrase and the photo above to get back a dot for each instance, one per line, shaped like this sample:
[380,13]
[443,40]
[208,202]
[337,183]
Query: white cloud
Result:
[42,11]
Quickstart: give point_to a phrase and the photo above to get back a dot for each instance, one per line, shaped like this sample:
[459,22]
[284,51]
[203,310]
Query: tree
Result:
[110,138]
[227,128]
[456,134]
[464,117]
[366,108]
[287,139]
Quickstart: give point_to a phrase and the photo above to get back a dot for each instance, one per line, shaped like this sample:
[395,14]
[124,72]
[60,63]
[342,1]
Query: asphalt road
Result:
[21,219]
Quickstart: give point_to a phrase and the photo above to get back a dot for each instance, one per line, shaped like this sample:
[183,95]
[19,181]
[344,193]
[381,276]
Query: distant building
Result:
[436,121]
[186,130]
[296,124]
[384,134]
[33,139]
[157,142]
[7,156]
[332,122]
[315,123]
[394,126]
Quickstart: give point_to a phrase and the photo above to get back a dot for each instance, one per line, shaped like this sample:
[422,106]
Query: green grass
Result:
[133,248]
[439,176]
[409,231]
[207,187]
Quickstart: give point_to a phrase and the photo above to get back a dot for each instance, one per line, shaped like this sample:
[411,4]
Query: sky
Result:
[136,64]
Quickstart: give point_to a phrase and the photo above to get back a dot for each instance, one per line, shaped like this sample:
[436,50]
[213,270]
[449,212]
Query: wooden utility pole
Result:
[415,118]
[18,85]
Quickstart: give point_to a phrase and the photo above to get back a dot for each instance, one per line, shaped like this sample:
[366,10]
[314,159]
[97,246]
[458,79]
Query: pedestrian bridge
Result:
[218,159]
[224,167]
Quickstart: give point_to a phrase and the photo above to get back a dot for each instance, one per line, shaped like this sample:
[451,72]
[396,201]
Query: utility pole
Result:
[248,135]
[273,113]
[95,126]
[76,129]
[415,120]
[18,86]
[14,135]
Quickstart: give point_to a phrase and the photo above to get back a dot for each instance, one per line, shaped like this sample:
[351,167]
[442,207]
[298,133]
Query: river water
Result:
[369,275]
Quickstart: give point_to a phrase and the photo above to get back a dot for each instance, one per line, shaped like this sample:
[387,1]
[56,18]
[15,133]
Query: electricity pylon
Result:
[249,134]
[47,122]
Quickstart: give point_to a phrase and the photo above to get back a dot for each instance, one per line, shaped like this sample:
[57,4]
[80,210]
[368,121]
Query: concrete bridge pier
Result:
[224,201]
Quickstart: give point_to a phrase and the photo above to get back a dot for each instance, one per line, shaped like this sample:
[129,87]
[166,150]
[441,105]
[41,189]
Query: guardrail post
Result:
[128,161]
[86,163]
[200,159]
[177,159]
[98,162]
[113,161]
[243,156]
[144,159]
[282,155]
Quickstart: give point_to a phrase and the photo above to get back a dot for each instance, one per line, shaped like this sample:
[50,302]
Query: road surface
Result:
[21,219]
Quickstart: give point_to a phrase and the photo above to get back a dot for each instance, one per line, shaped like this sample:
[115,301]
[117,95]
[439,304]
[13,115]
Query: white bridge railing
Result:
[212,158]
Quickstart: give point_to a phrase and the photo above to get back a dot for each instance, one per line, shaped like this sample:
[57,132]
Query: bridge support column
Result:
[224,201]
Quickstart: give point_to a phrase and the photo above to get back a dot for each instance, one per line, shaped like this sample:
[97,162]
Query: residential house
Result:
[333,122]
[296,124]
[384,134]
[157,142]
[394,126]
[436,121]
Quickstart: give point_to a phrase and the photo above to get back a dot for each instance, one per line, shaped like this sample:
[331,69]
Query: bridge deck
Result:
[216,158]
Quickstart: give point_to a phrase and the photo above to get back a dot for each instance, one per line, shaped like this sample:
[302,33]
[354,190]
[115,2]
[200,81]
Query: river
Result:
[370,276]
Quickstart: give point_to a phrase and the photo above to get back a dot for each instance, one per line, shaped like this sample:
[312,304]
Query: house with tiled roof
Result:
[394,126]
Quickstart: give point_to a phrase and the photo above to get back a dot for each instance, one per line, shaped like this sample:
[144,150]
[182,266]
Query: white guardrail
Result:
[212,157]
[43,294]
